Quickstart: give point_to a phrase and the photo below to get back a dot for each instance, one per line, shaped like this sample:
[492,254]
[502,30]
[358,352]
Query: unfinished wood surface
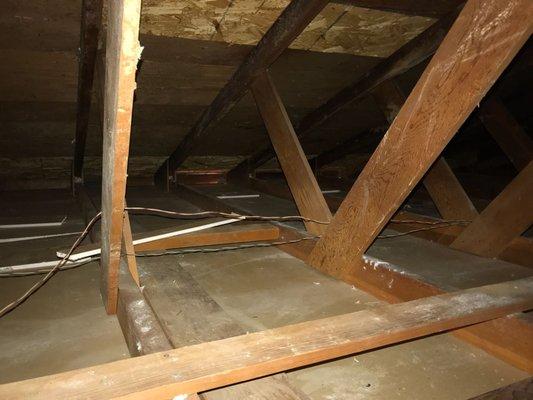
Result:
[122,53]
[291,22]
[91,15]
[504,219]
[170,373]
[127,245]
[482,41]
[441,183]
[505,338]
[200,319]
[304,187]
[140,326]
[503,127]
[409,55]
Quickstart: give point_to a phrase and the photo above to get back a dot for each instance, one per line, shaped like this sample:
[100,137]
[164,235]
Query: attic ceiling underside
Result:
[191,49]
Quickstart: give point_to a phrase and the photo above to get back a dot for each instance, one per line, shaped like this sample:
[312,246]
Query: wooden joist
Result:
[291,22]
[91,15]
[175,238]
[441,183]
[434,8]
[467,63]
[503,220]
[201,319]
[304,187]
[171,373]
[509,135]
[409,55]
[505,338]
[122,54]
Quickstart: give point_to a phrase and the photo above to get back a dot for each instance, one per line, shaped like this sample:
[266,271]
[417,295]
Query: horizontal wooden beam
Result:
[226,234]
[503,338]
[171,373]
[291,22]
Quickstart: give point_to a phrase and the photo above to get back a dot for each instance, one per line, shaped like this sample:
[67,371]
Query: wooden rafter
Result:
[122,53]
[509,135]
[409,55]
[91,16]
[434,8]
[467,63]
[441,183]
[175,372]
[291,22]
[503,220]
[304,187]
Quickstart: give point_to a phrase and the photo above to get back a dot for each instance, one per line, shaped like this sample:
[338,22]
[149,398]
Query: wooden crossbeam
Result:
[171,373]
[409,55]
[434,8]
[91,16]
[467,63]
[441,183]
[504,219]
[292,21]
[122,53]
[304,187]
[504,338]
[509,135]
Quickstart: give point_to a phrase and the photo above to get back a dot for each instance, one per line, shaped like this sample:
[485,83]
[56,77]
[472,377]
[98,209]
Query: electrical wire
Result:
[204,214]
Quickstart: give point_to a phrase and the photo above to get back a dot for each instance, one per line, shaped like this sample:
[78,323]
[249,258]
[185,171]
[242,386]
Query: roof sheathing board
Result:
[338,28]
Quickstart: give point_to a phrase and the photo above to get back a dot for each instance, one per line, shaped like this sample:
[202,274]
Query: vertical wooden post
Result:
[481,43]
[441,183]
[122,53]
[304,187]
[504,219]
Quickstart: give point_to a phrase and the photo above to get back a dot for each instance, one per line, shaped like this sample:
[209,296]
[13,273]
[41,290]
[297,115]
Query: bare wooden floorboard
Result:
[190,316]
[171,373]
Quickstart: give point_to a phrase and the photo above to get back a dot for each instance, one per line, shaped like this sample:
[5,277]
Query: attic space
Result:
[266,199]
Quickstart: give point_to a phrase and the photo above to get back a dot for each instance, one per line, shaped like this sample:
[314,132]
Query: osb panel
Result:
[338,28]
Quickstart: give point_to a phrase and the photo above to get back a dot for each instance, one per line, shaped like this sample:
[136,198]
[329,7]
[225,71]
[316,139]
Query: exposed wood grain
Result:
[127,245]
[504,219]
[409,55]
[190,316]
[91,16]
[122,53]
[513,140]
[441,183]
[481,43]
[304,187]
[167,374]
[291,22]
